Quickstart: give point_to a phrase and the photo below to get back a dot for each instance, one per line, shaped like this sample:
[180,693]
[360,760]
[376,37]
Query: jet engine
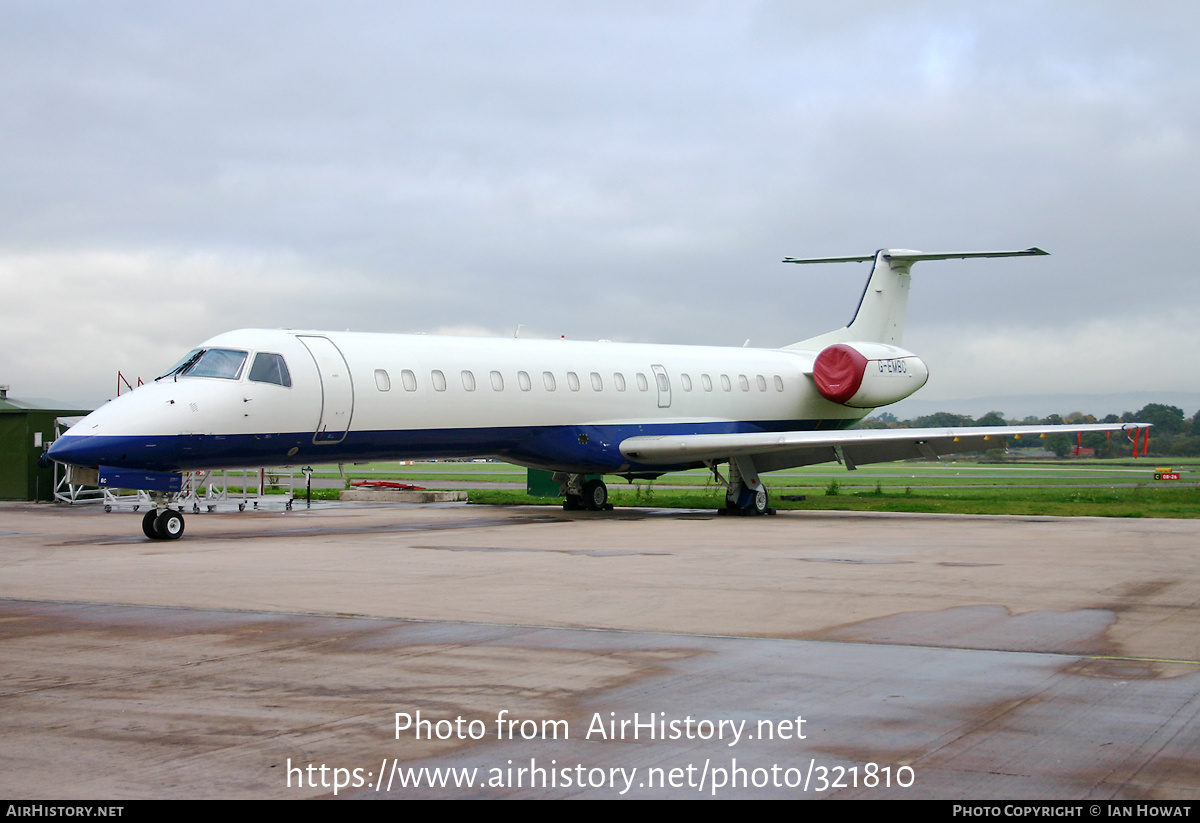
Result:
[866,375]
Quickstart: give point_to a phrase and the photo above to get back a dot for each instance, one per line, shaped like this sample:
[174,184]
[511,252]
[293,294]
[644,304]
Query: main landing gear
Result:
[162,523]
[589,495]
[744,492]
[751,502]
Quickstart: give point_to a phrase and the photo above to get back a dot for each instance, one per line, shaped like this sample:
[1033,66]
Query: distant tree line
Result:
[1173,434]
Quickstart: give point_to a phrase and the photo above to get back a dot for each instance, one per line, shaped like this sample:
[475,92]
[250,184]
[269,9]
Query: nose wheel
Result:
[163,525]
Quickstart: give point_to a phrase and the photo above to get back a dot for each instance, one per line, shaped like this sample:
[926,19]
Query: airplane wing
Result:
[781,450]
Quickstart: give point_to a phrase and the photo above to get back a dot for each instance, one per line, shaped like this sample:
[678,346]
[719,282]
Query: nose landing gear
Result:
[161,523]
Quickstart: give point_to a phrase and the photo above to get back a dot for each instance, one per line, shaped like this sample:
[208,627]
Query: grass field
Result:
[1094,488]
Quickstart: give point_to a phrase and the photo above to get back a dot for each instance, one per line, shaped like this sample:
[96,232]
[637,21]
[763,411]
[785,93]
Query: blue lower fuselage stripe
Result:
[591,449]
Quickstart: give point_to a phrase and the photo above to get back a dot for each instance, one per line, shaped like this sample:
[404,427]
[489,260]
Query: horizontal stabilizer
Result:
[913,256]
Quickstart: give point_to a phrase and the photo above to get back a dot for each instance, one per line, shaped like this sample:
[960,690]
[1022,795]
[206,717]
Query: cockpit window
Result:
[187,360]
[223,363]
[226,364]
[270,368]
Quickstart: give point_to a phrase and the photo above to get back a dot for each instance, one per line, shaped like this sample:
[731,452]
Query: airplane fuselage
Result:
[554,404]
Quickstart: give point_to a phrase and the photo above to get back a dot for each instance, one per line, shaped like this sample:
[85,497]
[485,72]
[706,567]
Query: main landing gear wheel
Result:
[761,503]
[595,495]
[169,525]
[749,502]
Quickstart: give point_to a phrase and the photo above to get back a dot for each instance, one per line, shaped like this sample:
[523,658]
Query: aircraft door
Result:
[337,389]
[664,387]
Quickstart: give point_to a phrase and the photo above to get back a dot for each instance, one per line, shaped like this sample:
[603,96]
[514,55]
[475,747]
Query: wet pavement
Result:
[639,653]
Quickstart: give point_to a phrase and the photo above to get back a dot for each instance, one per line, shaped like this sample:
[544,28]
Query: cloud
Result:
[599,170]
[71,320]
[1108,355]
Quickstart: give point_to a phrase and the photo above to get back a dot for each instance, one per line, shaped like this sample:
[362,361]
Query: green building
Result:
[26,430]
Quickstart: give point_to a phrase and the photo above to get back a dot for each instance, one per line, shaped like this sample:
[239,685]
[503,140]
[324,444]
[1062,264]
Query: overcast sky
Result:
[631,171]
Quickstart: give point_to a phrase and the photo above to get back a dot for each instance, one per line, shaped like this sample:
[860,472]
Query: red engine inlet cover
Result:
[838,372]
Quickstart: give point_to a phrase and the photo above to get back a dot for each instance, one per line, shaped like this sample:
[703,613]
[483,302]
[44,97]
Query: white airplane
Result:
[281,397]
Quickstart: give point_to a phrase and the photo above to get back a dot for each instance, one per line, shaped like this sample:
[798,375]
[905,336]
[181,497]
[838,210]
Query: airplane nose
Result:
[75,450]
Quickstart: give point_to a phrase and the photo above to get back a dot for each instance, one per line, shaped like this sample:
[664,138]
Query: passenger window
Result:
[686,381]
[743,382]
[597,383]
[409,379]
[468,380]
[573,381]
[382,381]
[619,381]
[523,380]
[497,381]
[706,381]
[725,384]
[641,381]
[661,379]
[439,380]
[762,382]
[778,383]
[270,368]
[548,379]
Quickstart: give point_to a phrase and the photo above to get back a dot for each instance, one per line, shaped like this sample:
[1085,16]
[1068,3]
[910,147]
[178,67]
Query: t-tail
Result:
[862,365]
[884,302]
